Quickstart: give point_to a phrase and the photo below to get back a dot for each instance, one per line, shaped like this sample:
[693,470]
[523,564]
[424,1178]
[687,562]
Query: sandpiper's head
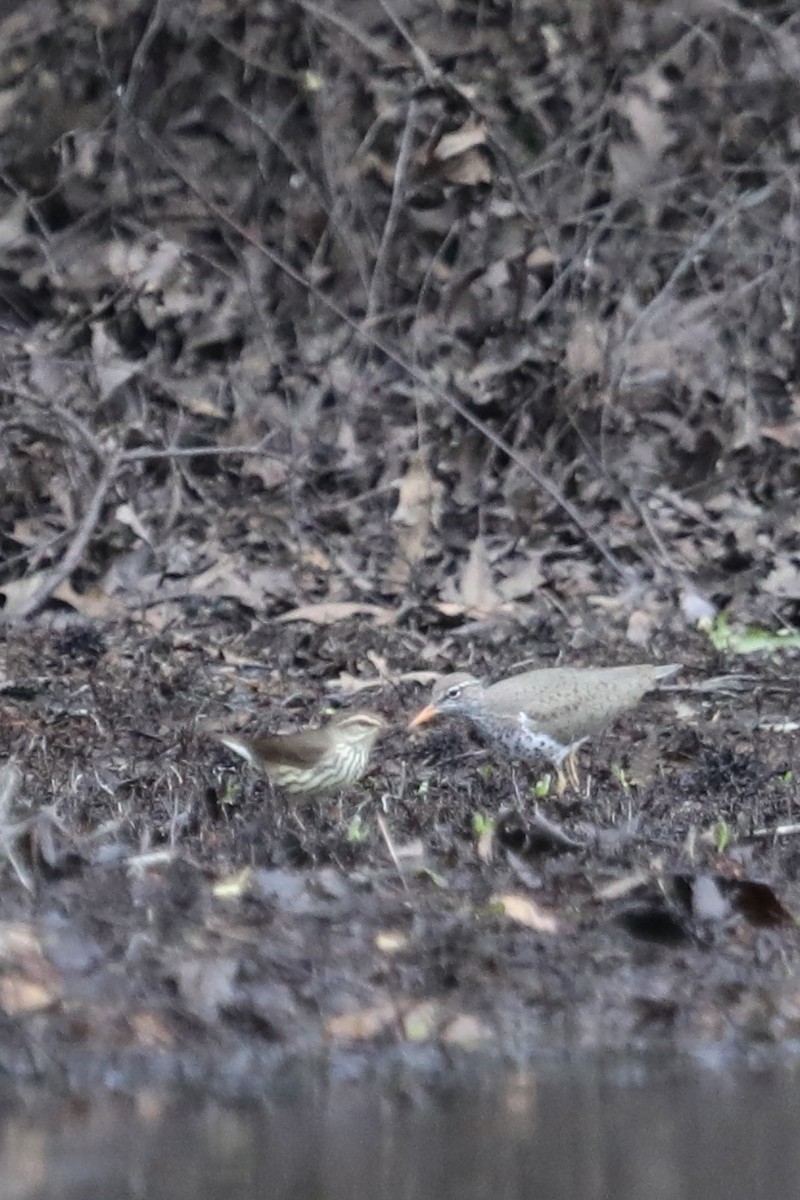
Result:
[460,694]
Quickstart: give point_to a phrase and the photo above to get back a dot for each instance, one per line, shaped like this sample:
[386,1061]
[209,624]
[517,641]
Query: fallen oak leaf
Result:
[524,911]
[471,134]
[351,684]
[466,1031]
[327,612]
[418,502]
[475,593]
[363,1023]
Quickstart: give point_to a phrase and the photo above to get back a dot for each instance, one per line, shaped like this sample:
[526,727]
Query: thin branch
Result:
[387,837]
[542,481]
[378,280]
[152,29]
[385,54]
[776,831]
[66,417]
[74,552]
[143,454]
[424,61]
[697,247]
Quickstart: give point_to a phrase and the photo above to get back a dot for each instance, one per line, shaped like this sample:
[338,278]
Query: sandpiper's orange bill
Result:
[425,714]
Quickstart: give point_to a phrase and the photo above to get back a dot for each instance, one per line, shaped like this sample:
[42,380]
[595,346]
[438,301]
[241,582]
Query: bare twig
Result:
[776,831]
[62,414]
[542,481]
[12,831]
[152,29]
[144,454]
[383,53]
[424,62]
[74,552]
[376,286]
[698,246]
[387,837]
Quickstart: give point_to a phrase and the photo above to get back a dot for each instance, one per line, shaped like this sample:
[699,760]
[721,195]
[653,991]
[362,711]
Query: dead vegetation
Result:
[343,343]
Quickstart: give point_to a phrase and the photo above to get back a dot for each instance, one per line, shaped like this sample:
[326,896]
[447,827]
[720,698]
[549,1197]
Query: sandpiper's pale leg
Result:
[567,766]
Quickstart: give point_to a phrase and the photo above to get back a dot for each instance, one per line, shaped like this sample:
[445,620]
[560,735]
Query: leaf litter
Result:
[318,382]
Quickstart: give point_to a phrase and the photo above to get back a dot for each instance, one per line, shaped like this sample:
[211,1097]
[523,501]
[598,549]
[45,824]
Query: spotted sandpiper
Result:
[313,762]
[548,713]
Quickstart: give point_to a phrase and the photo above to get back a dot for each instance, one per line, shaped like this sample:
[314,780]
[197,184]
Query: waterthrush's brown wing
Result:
[313,759]
[570,703]
[303,749]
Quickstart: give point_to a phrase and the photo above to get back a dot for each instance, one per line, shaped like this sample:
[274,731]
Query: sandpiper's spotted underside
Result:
[547,713]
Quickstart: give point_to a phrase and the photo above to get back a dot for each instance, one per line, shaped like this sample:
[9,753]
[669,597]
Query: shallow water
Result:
[550,1133]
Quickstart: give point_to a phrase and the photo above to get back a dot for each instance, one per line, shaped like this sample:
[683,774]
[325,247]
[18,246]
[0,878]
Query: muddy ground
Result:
[341,346]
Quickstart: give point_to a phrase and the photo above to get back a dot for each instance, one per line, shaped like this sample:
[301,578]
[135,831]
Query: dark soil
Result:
[341,346]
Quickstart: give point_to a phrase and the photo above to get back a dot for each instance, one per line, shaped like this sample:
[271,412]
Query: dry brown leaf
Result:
[525,911]
[13,222]
[145,265]
[328,612]
[30,983]
[127,515]
[585,350]
[466,1031]
[32,531]
[524,579]
[468,169]
[418,500]
[391,941]
[206,984]
[475,593]
[648,123]
[485,845]
[786,434]
[270,471]
[640,627]
[233,887]
[19,940]
[315,557]
[362,1024]
[472,133]
[112,368]
[94,603]
[634,162]
[540,258]
[616,889]
[18,592]
[231,577]
[149,1030]
[351,684]
[232,659]
[21,995]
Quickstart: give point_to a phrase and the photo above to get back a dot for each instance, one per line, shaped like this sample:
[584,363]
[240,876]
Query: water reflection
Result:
[548,1134]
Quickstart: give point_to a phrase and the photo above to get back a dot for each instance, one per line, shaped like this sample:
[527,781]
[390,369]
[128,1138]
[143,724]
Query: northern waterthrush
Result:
[547,713]
[314,762]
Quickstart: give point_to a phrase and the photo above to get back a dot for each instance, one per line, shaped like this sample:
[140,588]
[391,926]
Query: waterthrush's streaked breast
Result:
[548,713]
[314,762]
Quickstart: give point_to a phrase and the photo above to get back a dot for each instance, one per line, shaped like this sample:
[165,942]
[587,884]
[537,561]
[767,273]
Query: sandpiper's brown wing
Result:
[574,702]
